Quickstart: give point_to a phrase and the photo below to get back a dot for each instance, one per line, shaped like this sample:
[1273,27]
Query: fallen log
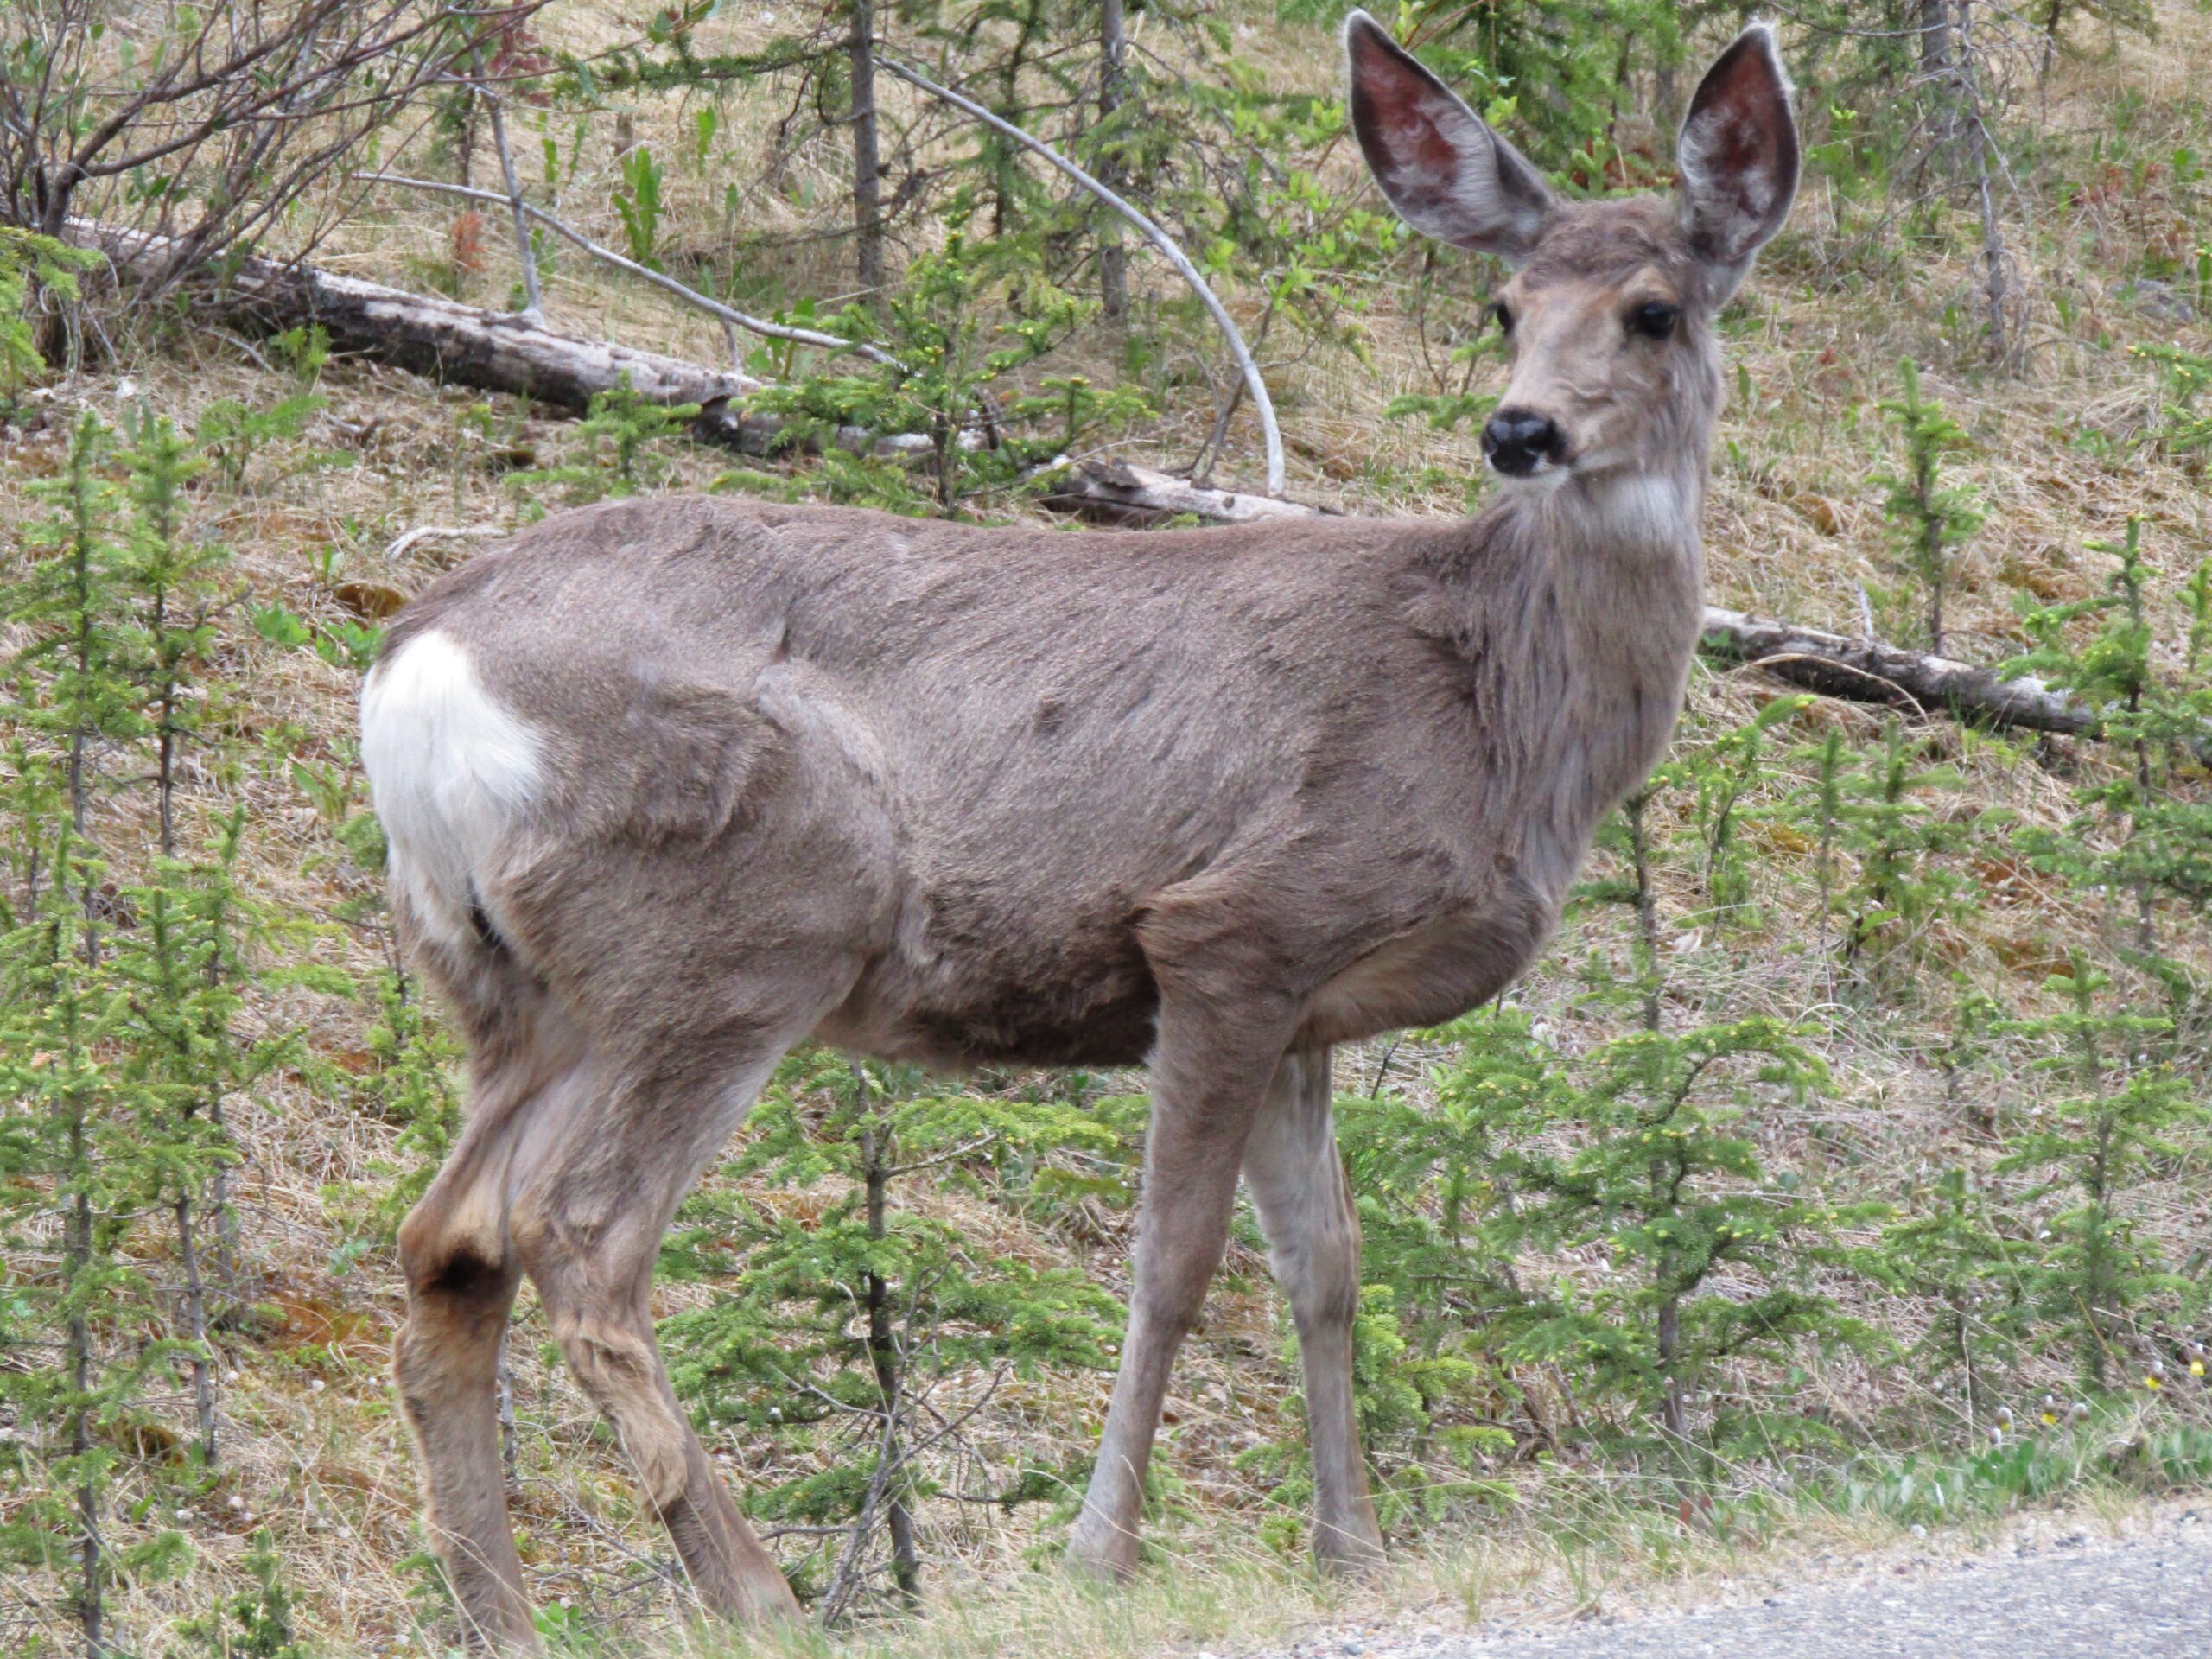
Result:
[1118,492]
[431,335]
[497,352]
[494,351]
[1866,671]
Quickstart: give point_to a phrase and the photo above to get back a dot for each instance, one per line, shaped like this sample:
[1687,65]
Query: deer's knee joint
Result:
[1323,1288]
[464,1274]
[444,1261]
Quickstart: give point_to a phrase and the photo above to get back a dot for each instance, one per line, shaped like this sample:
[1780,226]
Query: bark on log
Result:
[504,352]
[1116,493]
[1866,671]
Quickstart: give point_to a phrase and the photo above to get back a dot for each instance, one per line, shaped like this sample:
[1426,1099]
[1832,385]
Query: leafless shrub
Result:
[213,125]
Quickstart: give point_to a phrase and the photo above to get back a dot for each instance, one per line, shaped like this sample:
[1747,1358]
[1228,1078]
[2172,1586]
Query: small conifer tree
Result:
[1906,881]
[1929,520]
[1664,1174]
[2137,836]
[75,1156]
[260,1623]
[839,1324]
[619,451]
[1949,1255]
[2095,1150]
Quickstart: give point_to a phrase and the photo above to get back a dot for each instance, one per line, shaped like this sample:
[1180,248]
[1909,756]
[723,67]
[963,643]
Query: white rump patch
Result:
[450,770]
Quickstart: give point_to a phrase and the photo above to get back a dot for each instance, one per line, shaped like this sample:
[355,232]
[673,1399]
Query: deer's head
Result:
[1609,314]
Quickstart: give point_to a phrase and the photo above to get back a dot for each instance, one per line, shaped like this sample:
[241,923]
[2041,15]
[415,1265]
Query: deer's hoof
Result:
[1353,1552]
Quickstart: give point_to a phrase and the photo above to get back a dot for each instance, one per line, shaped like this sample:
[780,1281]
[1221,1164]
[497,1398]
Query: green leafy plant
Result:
[965,321]
[1664,1179]
[638,204]
[1640,1150]
[259,1621]
[85,1138]
[411,1082]
[2137,833]
[1904,882]
[231,432]
[31,264]
[622,449]
[2183,376]
[1949,1254]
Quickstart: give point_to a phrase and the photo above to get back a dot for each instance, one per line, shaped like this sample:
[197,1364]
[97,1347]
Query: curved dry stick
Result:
[534,299]
[1254,386]
[1780,662]
[660,279]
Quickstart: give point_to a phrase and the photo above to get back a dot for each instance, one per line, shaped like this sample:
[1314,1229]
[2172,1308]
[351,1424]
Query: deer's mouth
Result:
[1540,477]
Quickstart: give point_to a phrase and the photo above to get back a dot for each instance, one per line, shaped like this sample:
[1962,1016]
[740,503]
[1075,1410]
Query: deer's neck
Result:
[1591,637]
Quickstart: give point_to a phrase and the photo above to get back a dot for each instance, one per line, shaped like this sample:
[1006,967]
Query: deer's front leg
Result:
[1305,1209]
[1208,1078]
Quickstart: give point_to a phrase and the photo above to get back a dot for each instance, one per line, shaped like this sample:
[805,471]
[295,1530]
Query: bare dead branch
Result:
[1254,386]
[660,279]
[210,136]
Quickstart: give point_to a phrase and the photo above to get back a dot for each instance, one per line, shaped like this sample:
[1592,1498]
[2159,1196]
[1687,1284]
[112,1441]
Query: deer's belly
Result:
[1094,1007]
[1434,974]
[1090,999]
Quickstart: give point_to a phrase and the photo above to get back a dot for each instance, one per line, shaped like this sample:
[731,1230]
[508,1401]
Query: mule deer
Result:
[673,784]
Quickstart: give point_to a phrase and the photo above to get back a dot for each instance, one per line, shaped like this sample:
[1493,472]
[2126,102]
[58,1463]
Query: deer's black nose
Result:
[1517,441]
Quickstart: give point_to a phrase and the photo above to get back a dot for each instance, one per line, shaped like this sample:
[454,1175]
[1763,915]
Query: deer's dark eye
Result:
[1503,312]
[1655,320]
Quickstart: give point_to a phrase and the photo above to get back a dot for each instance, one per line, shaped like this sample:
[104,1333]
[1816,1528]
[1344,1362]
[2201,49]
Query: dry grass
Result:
[315,1449]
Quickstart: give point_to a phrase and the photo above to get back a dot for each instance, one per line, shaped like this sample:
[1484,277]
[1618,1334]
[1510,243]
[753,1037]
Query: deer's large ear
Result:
[1446,173]
[1738,157]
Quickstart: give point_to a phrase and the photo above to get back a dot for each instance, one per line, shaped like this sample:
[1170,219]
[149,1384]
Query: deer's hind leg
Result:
[461,1272]
[589,1219]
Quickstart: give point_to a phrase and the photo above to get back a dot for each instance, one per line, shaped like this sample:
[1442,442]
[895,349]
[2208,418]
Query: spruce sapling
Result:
[1929,520]
[2096,1149]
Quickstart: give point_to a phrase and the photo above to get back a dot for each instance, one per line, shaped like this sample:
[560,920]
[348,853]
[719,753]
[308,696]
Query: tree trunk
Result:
[1932,20]
[92,1600]
[1112,73]
[868,160]
[1672,1413]
[1647,906]
[228,1254]
[883,1353]
[1993,258]
[195,1325]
